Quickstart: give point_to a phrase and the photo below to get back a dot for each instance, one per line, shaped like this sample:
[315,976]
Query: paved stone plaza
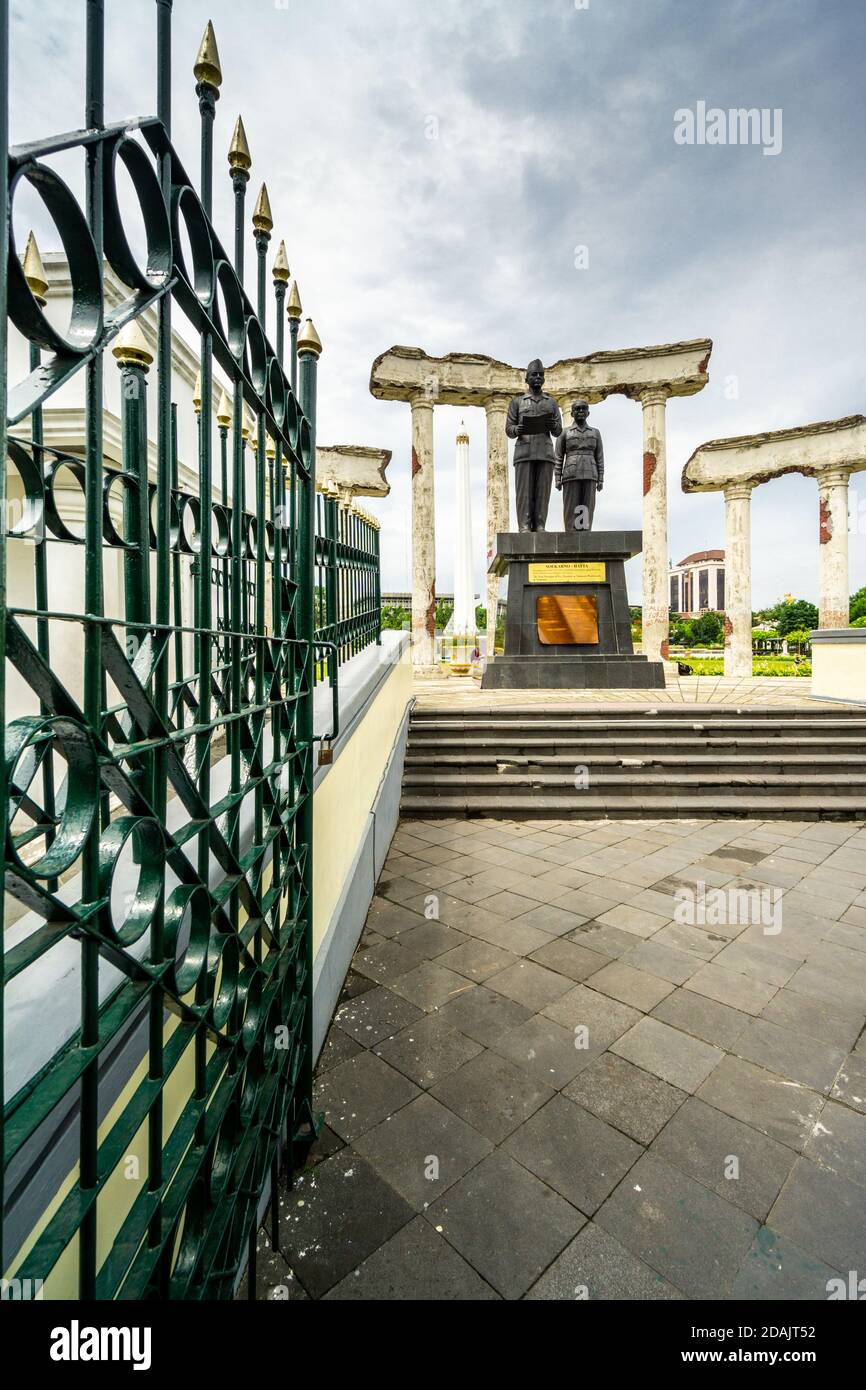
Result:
[539,1084]
[456,692]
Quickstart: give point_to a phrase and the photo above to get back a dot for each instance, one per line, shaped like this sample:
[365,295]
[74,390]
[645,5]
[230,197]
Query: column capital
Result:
[739,491]
[421,400]
[835,476]
[654,395]
[497,402]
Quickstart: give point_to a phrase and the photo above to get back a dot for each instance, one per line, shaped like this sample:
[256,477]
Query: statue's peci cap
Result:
[535,365]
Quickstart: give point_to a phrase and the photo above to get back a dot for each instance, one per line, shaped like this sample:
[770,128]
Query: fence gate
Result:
[158,627]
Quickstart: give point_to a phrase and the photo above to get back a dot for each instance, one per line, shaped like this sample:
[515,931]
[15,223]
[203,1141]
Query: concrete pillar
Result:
[423,538]
[496,410]
[833,536]
[738,579]
[655,526]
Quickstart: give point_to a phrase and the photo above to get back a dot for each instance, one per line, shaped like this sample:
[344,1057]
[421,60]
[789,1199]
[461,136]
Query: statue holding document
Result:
[532,419]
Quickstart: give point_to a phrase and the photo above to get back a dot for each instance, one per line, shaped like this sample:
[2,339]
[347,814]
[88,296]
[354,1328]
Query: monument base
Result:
[567,625]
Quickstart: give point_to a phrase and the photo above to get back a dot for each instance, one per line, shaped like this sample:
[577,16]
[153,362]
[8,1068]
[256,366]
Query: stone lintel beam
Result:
[461,378]
[354,468]
[757,458]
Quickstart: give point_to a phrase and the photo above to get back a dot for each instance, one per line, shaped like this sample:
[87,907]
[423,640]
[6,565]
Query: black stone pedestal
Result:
[555,565]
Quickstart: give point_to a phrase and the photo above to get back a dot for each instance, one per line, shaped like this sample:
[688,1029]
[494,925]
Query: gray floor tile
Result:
[359,1093]
[850,1084]
[483,1015]
[374,1015]
[415,1265]
[788,1053]
[728,987]
[387,962]
[492,1094]
[704,1018]
[691,1237]
[731,1158]
[838,1142]
[338,1047]
[574,1152]
[603,1019]
[815,1018]
[544,1049]
[775,1269]
[430,985]
[427,1050]
[335,1217]
[596,1267]
[623,981]
[477,960]
[530,984]
[824,1215]
[666,962]
[423,1150]
[570,959]
[431,939]
[507,1224]
[780,1108]
[678,1058]
[630,1099]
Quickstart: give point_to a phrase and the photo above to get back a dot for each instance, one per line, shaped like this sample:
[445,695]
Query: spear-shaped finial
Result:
[281,265]
[224,411]
[263,220]
[34,271]
[196,393]
[294,308]
[240,159]
[130,347]
[207,67]
[309,340]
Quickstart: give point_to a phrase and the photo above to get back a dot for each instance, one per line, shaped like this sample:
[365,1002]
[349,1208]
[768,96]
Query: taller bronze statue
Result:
[532,420]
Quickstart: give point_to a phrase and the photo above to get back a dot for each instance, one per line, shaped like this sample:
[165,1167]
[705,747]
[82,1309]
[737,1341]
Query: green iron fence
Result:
[347,578]
[159,738]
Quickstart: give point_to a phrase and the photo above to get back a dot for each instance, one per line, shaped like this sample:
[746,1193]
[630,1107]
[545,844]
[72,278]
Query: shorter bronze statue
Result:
[579,469]
[532,419]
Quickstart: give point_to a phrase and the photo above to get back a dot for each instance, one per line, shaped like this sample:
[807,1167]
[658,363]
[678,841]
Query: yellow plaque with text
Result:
[568,572]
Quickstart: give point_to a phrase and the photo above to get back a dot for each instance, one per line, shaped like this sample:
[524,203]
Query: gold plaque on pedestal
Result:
[566,619]
[568,572]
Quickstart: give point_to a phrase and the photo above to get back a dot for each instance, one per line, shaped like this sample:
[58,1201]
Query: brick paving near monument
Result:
[541,1082]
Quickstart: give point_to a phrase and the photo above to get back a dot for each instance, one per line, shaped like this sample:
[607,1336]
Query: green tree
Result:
[799,614]
[858,605]
[481,618]
[396,618]
[443,614]
[708,628]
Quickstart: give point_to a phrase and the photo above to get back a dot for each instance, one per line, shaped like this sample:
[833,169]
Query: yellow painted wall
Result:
[839,670]
[342,801]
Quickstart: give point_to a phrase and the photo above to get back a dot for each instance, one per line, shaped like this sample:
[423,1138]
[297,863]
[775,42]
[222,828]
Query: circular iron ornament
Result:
[250,991]
[252,536]
[28,742]
[156,224]
[124,482]
[223,970]
[174,527]
[190,523]
[187,932]
[253,1074]
[276,1021]
[256,356]
[186,205]
[148,846]
[221,543]
[229,288]
[290,422]
[190,1234]
[85,271]
[305,443]
[269,539]
[53,520]
[226,1148]
[33,504]
[277,391]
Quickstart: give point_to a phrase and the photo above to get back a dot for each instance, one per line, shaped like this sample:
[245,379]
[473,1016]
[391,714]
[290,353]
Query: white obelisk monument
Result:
[463,623]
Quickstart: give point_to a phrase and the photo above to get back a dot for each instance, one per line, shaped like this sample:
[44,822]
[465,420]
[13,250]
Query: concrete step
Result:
[637,713]
[527,807]
[628,763]
[516,746]
[505,784]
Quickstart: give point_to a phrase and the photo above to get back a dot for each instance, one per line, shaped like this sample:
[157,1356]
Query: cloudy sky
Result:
[433,164]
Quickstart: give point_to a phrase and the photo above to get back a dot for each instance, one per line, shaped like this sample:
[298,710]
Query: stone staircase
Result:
[592,761]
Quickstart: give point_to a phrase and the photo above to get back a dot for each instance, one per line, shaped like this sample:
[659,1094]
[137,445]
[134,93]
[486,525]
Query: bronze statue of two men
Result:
[576,463]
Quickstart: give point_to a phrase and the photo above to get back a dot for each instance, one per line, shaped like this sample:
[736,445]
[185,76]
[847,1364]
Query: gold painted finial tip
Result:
[309,340]
[293,305]
[207,68]
[239,150]
[263,220]
[224,411]
[34,270]
[281,265]
[130,346]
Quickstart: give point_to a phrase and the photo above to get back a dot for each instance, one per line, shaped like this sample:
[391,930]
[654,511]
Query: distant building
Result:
[697,583]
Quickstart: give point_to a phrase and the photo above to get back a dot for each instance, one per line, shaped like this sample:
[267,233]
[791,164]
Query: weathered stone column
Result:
[833,536]
[496,410]
[655,526]
[423,537]
[738,579]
